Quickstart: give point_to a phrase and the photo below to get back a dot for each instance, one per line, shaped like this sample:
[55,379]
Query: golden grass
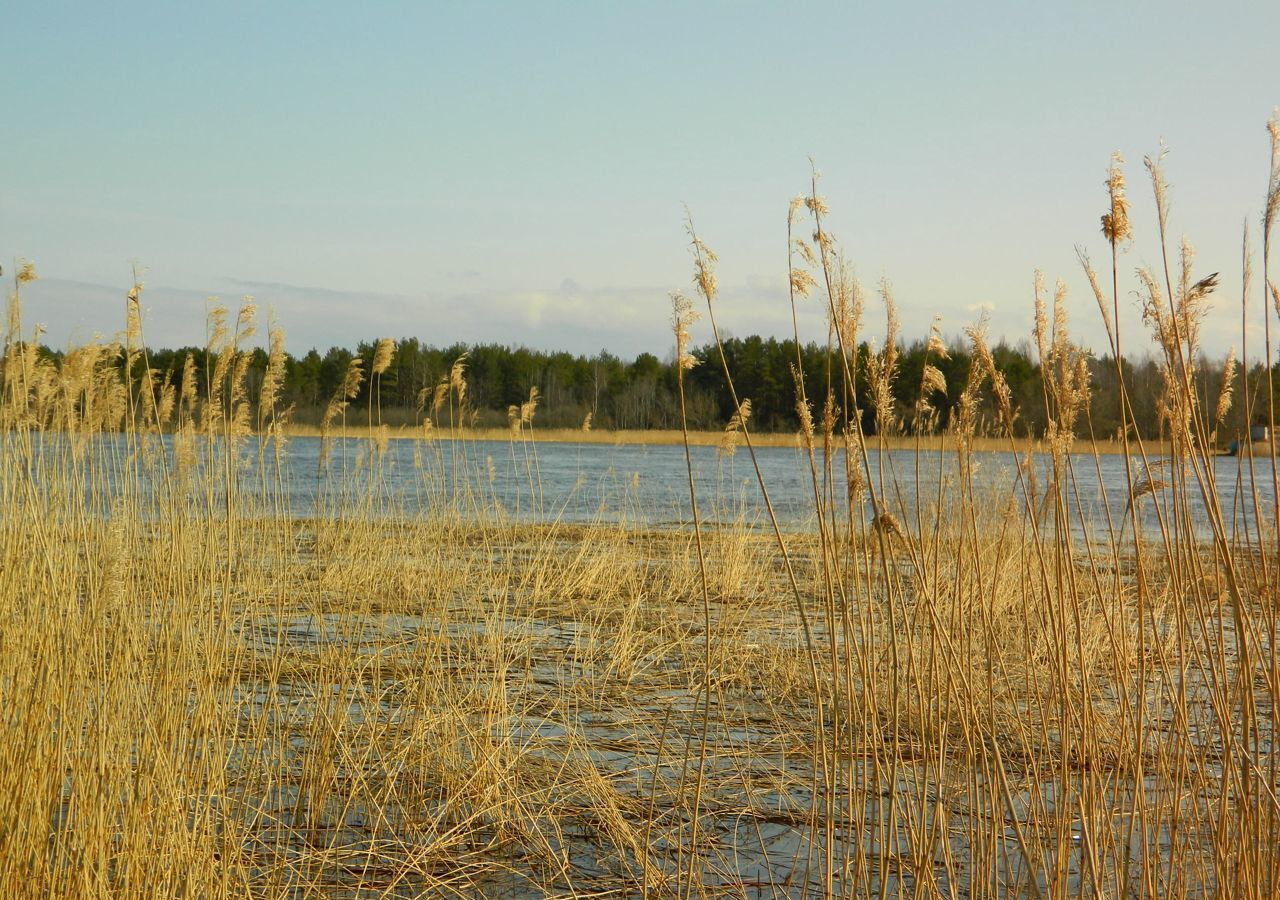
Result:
[973,691]
[213,705]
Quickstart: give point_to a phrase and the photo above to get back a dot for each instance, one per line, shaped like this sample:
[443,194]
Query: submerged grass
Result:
[208,694]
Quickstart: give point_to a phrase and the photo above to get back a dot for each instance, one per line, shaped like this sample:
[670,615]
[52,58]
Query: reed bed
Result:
[207,693]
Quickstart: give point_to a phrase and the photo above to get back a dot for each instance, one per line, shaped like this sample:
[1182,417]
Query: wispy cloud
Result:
[570,316]
[574,317]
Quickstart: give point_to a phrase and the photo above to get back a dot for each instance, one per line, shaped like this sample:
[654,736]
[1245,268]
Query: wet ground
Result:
[519,747]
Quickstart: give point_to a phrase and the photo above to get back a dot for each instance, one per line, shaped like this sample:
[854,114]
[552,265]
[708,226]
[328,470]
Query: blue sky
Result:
[517,172]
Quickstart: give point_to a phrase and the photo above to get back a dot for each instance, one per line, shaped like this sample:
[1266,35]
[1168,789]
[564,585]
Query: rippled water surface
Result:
[649,485]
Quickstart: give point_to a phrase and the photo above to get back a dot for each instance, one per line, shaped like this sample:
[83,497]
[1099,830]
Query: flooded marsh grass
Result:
[375,708]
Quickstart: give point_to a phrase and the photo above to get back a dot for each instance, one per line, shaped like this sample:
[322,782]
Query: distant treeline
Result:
[641,393]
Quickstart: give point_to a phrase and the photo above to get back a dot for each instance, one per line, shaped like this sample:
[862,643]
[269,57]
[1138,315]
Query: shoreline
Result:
[666,437]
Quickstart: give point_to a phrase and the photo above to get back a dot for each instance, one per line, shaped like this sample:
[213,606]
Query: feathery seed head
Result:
[887,525]
[932,382]
[133,315]
[855,475]
[850,300]
[1273,182]
[1159,186]
[1060,337]
[1192,301]
[456,382]
[882,367]
[793,207]
[801,282]
[457,376]
[1098,296]
[382,356]
[187,396]
[816,205]
[936,348]
[1004,401]
[737,423]
[245,320]
[801,246]
[704,273]
[1148,483]
[682,316]
[891,319]
[825,241]
[1153,310]
[977,334]
[1228,385]
[529,407]
[830,412]
[1041,329]
[1115,224]
[353,378]
[216,325]
[167,401]
[346,392]
[273,378]
[804,413]
[438,397]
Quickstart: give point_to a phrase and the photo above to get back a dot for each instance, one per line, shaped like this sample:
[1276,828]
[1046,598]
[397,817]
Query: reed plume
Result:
[273,377]
[683,315]
[804,410]
[882,367]
[458,379]
[932,381]
[189,393]
[736,425]
[1115,224]
[382,354]
[935,347]
[1223,405]
[529,407]
[1271,204]
[346,392]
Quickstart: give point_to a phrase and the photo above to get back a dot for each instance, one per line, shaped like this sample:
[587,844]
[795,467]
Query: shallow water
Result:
[761,785]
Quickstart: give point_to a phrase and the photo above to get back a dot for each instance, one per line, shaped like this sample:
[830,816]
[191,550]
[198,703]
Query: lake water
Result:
[649,485]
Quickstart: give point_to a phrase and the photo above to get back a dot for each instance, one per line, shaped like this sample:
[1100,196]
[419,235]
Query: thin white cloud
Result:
[574,317]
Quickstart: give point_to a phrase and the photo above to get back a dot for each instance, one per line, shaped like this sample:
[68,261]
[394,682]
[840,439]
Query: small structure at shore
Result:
[1259,439]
